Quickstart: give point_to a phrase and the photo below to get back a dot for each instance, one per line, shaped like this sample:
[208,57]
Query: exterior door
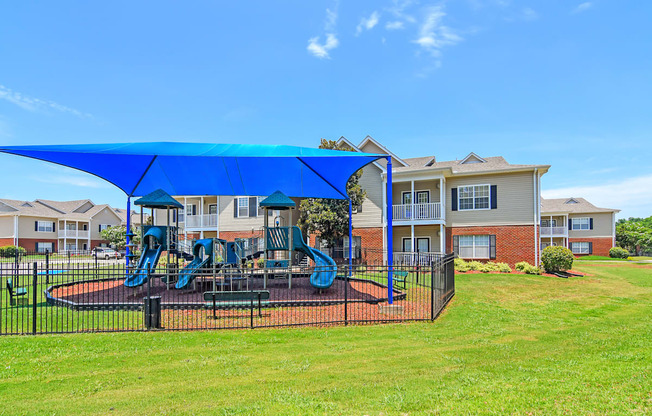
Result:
[423,245]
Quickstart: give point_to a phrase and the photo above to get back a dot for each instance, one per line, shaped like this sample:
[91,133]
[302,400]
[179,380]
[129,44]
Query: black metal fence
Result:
[52,295]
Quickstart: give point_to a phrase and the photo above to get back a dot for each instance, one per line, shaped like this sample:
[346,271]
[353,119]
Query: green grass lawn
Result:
[507,344]
[589,258]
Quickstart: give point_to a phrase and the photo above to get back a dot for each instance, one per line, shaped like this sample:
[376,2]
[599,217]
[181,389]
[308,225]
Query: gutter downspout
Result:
[536,210]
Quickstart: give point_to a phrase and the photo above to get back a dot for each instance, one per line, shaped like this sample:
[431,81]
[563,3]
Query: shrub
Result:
[260,262]
[10,251]
[618,253]
[557,259]
[461,265]
[474,265]
[503,267]
[521,266]
[489,267]
[532,270]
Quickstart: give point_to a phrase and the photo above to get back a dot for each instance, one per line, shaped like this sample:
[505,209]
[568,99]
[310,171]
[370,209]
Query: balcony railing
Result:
[409,212]
[73,234]
[201,221]
[554,231]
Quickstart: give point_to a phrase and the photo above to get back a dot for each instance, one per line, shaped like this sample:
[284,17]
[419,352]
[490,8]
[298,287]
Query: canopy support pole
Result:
[350,237]
[127,251]
[390,237]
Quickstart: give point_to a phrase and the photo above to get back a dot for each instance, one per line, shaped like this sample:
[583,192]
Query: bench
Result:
[17,292]
[237,299]
[399,278]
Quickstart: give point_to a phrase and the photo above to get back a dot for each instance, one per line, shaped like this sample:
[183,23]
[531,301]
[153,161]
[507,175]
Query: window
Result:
[423,244]
[212,209]
[43,247]
[243,207]
[191,209]
[357,242]
[473,197]
[406,198]
[423,197]
[261,210]
[581,223]
[548,223]
[104,227]
[71,247]
[71,227]
[45,226]
[474,246]
[582,247]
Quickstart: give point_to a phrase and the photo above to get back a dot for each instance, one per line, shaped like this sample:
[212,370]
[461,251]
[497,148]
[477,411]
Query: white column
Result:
[16,230]
[65,235]
[412,247]
[76,235]
[217,217]
[185,218]
[412,212]
[442,239]
[442,200]
[88,246]
[384,219]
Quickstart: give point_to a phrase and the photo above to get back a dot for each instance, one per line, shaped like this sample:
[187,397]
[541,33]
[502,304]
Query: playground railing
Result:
[51,296]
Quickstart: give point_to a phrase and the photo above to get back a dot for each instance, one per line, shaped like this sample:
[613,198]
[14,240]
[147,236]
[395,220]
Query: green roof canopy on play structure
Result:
[213,169]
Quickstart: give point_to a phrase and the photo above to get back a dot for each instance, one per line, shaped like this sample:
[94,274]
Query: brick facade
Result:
[371,241]
[29,244]
[514,243]
[601,245]
[232,235]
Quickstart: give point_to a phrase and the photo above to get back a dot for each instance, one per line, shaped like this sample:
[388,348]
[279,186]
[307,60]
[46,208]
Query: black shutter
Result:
[253,206]
[99,227]
[36,247]
[492,247]
[54,227]
[494,197]
[456,244]
[35,225]
[174,215]
[590,247]
[570,224]
[454,199]
[590,223]
[235,207]
[194,210]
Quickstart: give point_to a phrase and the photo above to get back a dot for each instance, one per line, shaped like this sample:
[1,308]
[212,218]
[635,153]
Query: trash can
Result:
[152,311]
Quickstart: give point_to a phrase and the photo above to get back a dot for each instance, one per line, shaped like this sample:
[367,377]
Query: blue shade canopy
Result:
[158,199]
[209,169]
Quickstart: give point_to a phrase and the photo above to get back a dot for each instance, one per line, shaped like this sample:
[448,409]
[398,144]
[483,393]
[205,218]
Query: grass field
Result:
[507,344]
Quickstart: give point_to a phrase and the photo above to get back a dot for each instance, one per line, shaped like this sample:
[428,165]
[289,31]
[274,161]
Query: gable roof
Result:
[370,139]
[490,164]
[472,158]
[566,205]
[355,148]
[63,210]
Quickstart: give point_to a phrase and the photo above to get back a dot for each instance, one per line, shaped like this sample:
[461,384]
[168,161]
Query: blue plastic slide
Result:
[188,273]
[148,259]
[325,267]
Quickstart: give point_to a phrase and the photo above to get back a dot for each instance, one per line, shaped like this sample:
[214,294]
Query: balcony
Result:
[73,234]
[201,221]
[417,212]
[552,231]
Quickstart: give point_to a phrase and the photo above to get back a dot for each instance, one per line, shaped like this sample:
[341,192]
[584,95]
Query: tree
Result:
[116,236]
[634,234]
[330,217]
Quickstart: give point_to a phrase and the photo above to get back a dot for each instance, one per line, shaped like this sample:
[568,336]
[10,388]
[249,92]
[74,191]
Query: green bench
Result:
[237,299]
[399,278]
[15,293]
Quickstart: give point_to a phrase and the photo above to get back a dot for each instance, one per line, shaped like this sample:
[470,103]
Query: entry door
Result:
[423,245]
[212,209]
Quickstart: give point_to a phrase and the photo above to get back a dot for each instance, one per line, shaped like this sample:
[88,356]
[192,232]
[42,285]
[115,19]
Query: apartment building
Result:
[480,207]
[56,225]
[579,225]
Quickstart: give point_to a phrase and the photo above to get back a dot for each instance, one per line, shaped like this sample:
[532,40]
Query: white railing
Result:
[409,212]
[201,221]
[554,231]
[73,234]
[416,258]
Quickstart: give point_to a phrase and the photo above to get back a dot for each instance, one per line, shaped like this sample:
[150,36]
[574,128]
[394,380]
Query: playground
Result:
[276,279]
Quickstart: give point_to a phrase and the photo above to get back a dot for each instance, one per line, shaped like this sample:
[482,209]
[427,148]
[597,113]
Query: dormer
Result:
[430,162]
[572,201]
[27,204]
[472,158]
[84,207]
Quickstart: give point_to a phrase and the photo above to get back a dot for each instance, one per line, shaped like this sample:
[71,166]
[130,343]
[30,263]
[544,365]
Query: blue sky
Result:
[566,83]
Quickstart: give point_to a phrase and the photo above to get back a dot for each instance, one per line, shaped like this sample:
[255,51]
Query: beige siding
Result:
[227,222]
[6,227]
[515,200]
[106,216]
[399,233]
[26,228]
[370,147]
[372,207]
[85,207]
[602,226]
[398,188]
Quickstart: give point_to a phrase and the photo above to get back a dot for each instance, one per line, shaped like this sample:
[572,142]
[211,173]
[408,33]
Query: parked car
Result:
[106,253]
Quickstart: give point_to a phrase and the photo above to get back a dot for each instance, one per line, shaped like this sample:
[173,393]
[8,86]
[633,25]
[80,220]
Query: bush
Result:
[466,266]
[618,253]
[503,267]
[260,262]
[532,270]
[10,251]
[521,266]
[557,259]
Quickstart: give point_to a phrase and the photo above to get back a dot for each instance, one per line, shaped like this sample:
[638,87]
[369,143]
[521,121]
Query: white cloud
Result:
[368,23]
[433,36]
[36,104]
[394,25]
[633,196]
[320,50]
[529,14]
[582,7]
[72,180]
[398,10]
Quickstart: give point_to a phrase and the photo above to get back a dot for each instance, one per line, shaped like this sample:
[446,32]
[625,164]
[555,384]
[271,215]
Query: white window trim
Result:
[475,256]
[50,248]
[459,206]
[403,199]
[105,226]
[588,224]
[416,194]
[246,198]
[416,241]
[47,229]
[209,209]
[579,251]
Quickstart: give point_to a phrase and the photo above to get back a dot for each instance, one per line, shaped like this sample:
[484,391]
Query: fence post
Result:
[47,267]
[34,289]
[432,291]
[346,298]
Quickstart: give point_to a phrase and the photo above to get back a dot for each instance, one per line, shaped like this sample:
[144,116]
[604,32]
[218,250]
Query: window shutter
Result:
[590,247]
[36,246]
[194,210]
[99,227]
[54,227]
[590,223]
[253,207]
[454,199]
[494,197]
[35,225]
[456,244]
[492,247]
[235,207]
[570,224]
